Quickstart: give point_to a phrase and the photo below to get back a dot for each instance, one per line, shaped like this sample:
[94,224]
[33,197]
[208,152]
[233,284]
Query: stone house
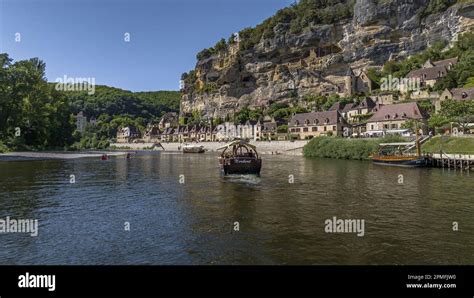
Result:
[309,125]
[366,106]
[128,134]
[456,94]
[152,134]
[392,117]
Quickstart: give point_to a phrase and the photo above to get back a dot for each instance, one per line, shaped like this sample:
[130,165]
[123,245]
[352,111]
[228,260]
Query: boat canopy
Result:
[397,144]
[238,142]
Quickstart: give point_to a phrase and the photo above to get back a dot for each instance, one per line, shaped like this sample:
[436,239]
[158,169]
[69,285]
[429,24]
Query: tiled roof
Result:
[446,62]
[316,118]
[463,93]
[402,111]
[367,103]
[431,73]
[347,107]
[337,106]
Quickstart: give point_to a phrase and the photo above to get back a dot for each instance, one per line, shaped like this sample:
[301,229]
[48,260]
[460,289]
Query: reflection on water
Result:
[192,222]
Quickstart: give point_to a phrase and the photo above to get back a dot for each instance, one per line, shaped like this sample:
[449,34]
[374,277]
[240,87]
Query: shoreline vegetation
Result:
[340,148]
[319,147]
[360,149]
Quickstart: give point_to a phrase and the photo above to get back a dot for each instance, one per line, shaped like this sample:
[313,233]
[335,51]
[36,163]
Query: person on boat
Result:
[104,157]
[129,155]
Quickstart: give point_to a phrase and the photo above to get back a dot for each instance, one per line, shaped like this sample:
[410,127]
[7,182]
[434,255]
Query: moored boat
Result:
[240,157]
[397,154]
[193,149]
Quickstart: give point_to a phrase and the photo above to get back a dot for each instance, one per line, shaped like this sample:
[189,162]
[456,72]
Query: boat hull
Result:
[194,150]
[243,166]
[400,162]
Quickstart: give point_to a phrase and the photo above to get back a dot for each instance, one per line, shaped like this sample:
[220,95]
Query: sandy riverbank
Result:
[55,155]
[263,147]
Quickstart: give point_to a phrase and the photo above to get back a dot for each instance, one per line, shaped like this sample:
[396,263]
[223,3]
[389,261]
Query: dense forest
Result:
[35,116]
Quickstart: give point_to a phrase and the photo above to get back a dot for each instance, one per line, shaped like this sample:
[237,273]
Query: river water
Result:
[180,210]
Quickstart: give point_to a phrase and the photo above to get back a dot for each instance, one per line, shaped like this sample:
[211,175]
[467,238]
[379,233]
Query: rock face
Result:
[321,59]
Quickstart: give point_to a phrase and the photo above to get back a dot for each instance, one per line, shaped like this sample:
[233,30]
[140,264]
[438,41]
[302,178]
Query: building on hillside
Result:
[309,125]
[128,134]
[390,118]
[428,76]
[385,98]
[81,122]
[424,95]
[366,106]
[456,94]
[93,121]
[348,84]
[432,72]
[169,119]
[448,63]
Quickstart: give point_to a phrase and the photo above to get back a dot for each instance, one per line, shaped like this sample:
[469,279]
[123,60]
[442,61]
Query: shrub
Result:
[358,149]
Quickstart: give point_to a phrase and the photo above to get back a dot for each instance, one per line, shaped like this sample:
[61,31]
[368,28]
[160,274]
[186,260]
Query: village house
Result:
[456,94]
[167,135]
[309,125]
[424,95]
[128,134]
[152,134]
[385,98]
[346,110]
[432,71]
[363,108]
[390,118]
[352,83]
[270,129]
[448,63]
[169,119]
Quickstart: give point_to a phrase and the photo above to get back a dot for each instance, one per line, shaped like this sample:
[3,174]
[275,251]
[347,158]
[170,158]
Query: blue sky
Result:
[85,38]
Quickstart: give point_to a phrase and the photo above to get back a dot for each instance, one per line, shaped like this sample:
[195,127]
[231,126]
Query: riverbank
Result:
[54,155]
[340,148]
[361,149]
[450,145]
[263,147]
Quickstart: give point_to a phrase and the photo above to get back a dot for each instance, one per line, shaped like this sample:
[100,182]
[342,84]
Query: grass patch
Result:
[458,145]
[339,148]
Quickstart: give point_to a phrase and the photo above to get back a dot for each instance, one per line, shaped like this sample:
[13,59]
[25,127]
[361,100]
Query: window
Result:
[325,128]
[334,128]
[314,128]
[305,129]
[385,126]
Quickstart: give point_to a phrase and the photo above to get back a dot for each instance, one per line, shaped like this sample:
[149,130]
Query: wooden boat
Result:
[240,157]
[397,154]
[193,149]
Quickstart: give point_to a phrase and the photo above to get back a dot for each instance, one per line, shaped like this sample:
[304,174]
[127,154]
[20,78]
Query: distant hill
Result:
[118,102]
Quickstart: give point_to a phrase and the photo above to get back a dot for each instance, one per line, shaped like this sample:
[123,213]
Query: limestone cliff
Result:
[322,58]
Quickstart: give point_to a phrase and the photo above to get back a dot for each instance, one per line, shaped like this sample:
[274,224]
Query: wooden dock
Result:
[462,162]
